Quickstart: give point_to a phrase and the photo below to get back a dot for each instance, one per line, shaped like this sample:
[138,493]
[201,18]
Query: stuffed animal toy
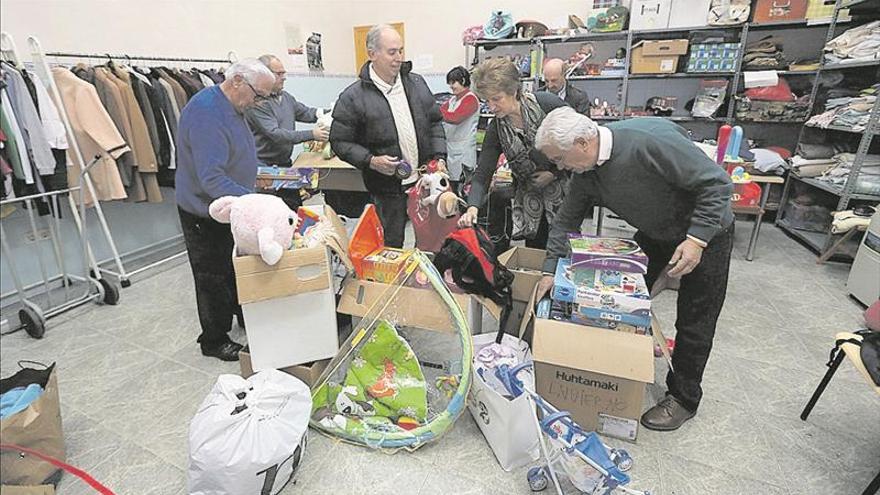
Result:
[261,224]
[437,191]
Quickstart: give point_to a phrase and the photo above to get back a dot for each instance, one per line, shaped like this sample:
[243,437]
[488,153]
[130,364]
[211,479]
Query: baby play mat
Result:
[401,379]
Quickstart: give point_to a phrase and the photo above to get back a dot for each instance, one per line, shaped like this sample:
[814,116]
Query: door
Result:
[360,43]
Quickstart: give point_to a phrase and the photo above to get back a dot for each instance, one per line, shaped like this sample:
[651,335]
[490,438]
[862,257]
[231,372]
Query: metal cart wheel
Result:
[538,480]
[622,459]
[33,322]
[111,292]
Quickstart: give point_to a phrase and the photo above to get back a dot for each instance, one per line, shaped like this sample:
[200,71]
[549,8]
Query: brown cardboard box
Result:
[657,56]
[308,372]
[598,375]
[526,264]
[290,307]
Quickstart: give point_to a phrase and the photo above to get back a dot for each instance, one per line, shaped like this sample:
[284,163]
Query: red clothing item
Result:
[469,104]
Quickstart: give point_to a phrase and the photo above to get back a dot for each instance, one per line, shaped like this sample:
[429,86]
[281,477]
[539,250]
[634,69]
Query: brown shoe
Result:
[669,414]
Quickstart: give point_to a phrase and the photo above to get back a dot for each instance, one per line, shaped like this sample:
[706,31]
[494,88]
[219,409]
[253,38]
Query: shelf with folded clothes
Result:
[852,65]
[795,23]
[837,128]
[683,74]
[833,188]
[574,38]
[594,76]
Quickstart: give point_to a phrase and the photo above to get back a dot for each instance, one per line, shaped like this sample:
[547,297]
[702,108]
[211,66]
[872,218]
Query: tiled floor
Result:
[131,378]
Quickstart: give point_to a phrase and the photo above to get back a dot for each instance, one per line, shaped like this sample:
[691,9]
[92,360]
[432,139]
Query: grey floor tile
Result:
[134,471]
[682,476]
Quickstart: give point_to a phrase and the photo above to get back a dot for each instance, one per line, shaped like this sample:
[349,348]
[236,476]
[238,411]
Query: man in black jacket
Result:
[555,82]
[387,116]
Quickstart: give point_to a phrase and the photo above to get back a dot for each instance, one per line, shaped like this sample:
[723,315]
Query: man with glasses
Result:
[216,156]
[273,123]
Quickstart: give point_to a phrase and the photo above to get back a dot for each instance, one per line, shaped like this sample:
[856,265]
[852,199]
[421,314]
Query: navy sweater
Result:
[216,154]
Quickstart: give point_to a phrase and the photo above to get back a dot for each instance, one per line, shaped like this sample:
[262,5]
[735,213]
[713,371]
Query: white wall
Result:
[210,28]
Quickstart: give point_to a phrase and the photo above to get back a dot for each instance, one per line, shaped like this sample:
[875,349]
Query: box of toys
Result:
[607,253]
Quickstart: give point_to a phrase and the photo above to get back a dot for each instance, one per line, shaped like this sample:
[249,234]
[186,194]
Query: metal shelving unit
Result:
[824,242]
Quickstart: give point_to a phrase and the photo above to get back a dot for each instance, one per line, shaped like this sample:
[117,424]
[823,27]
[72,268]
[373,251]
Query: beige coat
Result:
[95,133]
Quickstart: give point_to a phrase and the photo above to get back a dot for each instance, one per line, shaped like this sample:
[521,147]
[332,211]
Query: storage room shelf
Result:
[682,74]
[796,72]
[833,189]
[815,240]
[584,37]
[795,23]
[835,128]
[640,32]
[770,122]
[851,65]
[584,78]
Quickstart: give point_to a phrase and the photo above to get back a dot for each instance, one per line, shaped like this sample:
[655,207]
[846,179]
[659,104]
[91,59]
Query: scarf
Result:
[530,204]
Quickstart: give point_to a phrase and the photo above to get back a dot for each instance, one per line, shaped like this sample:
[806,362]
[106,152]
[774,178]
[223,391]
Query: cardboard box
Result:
[527,266]
[689,13]
[565,290]
[307,372]
[410,305]
[657,56]
[596,375]
[611,290]
[290,308]
[607,253]
[649,14]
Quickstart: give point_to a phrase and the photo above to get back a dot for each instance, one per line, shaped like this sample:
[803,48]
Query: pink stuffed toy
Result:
[261,224]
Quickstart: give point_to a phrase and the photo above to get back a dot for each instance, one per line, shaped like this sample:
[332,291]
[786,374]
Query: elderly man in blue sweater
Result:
[650,173]
[216,156]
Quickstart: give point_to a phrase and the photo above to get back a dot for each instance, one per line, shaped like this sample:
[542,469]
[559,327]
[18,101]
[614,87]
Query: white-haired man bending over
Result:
[216,156]
[647,171]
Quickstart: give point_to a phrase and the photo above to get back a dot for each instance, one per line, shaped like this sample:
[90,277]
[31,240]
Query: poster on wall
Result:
[313,52]
[295,48]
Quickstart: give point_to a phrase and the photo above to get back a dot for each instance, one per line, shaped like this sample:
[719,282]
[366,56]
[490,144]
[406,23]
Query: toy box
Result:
[609,289]
[384,265]
[636,318]
[607,253]
[713,57]
[568,312]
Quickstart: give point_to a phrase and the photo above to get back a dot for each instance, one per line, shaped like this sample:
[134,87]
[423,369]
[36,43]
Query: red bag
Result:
[430,228]
[745,195]
[780,92]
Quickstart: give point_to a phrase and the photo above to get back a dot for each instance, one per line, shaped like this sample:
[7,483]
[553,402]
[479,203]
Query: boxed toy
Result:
[383,265]
[609,289]
[568,312]
[607,253]
[713,57]
[636,313]
[637,318]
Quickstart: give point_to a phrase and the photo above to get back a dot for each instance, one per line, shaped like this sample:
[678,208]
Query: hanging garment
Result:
[29,122]
[94,133]
[206,81]
[113,101]
[18,158]
[53,127]
[179,93]
[172,99]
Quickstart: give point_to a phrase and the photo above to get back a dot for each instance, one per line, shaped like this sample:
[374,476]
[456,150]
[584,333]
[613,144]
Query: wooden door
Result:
[360,43]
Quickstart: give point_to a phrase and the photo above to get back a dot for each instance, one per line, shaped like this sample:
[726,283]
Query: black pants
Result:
[540,239]
[700,298]
[209,247]
[392,213]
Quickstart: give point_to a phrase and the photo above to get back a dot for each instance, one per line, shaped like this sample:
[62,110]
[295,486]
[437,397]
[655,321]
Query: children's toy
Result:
[590,465]
[261,224]
[399,381]
[736,136]
[383,265]
[433,209]
[403,170]
[607,253]
[723,139]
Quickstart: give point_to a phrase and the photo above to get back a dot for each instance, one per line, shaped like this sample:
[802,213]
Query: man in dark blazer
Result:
[554,82]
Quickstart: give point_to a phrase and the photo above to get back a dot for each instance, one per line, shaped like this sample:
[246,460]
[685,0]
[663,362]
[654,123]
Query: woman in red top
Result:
[460,116]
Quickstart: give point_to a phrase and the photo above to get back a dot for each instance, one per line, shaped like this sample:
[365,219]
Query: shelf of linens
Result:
[851,65]
[832,188]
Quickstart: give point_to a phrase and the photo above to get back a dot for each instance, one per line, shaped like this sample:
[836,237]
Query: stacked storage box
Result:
[603,285]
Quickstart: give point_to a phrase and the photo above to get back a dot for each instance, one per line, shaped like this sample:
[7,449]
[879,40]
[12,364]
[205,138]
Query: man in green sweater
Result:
[649,173]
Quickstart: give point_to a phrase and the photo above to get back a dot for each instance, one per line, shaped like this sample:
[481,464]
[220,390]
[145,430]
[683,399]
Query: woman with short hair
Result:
[538,184]
[460,116]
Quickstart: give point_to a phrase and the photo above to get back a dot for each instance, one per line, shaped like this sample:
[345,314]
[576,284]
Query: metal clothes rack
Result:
[41,66]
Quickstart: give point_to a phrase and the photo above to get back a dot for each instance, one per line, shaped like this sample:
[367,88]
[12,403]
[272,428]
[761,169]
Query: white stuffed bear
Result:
[437,191]
[261,224]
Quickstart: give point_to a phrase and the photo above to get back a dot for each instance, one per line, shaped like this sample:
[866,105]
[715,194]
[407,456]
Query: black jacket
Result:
[575,98]
[363,126]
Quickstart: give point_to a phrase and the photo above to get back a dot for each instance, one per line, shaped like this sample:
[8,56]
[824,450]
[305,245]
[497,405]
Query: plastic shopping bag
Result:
[249,435]
[508,425]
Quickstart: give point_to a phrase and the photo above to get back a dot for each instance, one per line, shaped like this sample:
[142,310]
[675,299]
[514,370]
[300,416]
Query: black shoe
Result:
[227,351]
[669,414]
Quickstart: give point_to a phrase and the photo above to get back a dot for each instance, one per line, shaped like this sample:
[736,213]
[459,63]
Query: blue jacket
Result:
[216,154]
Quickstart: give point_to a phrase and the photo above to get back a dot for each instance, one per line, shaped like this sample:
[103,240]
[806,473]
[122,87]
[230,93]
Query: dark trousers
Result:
[700,298]
[540,239]
[209,247]
[392,213]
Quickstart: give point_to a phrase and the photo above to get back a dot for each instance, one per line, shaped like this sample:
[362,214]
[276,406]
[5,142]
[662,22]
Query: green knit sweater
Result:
[656,179]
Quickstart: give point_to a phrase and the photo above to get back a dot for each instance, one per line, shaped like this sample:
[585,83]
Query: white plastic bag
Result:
[249,436]
[508,425]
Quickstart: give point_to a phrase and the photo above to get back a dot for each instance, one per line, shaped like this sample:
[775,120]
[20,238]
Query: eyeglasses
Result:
[257,96]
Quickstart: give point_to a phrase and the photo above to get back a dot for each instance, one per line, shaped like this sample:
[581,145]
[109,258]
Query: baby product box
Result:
[609,289]
[607,253]
[614,308]
[384,264]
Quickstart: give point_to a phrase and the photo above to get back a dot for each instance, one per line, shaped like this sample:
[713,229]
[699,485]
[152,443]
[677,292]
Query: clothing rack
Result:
[41,66]
[231,57]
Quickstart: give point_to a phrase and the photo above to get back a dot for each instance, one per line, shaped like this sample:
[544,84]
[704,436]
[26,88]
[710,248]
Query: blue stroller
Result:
[590,465]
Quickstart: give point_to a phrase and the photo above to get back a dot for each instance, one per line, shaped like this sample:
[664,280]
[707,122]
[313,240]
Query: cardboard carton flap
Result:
[522,258]
[618,354]
[339,242]
[657,48]
[298,271]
